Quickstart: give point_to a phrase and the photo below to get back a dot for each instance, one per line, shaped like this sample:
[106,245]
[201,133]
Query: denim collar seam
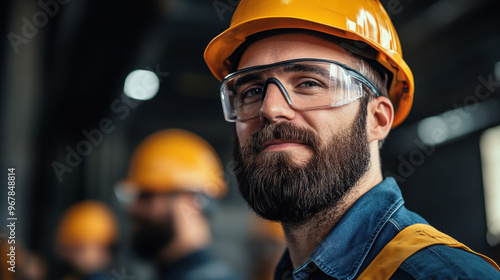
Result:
[388,214]
[301,271]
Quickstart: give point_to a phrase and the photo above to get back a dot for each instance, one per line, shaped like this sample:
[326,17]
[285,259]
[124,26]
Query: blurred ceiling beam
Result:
[20,104]
[434,20]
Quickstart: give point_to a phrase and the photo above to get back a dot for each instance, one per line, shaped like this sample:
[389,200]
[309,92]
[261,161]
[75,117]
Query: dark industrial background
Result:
[66,75]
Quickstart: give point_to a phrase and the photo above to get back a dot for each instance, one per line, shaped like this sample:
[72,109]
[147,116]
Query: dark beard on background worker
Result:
[279,189]
[150,238]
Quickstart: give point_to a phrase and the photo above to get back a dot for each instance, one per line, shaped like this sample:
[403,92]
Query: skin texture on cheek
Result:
[243,132]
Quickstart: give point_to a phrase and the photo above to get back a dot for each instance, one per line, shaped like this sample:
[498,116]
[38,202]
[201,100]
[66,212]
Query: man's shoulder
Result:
[444,262]
[435,261]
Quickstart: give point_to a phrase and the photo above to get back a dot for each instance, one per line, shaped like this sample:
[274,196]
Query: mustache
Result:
[281,131]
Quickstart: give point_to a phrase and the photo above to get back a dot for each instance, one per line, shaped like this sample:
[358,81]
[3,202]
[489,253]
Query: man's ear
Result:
[380,117]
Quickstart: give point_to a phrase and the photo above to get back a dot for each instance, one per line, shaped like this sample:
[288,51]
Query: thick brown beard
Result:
[278,189]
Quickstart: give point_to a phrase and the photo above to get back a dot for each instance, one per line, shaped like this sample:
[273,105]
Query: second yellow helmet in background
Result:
[176,160]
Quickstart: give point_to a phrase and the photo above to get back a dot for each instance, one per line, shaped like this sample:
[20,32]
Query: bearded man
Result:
[173,180]
[314,87]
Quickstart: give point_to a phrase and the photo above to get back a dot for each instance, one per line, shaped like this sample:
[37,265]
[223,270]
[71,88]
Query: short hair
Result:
[379,81]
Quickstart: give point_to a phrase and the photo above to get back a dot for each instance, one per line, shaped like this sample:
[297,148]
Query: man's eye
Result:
[309,84]
[250,95]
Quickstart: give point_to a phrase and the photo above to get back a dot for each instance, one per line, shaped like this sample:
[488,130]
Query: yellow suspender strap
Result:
[406,243]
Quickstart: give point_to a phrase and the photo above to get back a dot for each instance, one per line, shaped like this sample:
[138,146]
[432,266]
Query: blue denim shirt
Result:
[372,221]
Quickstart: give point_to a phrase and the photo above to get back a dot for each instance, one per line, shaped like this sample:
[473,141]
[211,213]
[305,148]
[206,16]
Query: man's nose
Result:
[275,107]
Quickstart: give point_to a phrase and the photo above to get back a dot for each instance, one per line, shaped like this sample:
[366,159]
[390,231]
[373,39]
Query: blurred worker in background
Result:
[85,237]
[314,87]
[173,177]
[267,244]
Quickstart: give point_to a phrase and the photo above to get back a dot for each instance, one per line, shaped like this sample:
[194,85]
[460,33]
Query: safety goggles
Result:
[305,83]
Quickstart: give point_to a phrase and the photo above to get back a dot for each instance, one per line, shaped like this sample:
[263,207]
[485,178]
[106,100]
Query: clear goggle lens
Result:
[305,84]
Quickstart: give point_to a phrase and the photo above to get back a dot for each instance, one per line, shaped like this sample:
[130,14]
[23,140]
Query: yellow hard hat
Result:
[359,20]
[176,160]
[87,222]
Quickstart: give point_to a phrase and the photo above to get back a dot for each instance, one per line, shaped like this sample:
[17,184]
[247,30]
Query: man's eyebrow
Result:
[286,69]
[247,78]
[307,68]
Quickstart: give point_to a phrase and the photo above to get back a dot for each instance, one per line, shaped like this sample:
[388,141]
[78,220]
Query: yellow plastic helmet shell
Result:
[176,160]
[87,222]
[360,20]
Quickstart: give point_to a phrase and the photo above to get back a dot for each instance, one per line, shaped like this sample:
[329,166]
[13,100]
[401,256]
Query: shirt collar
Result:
[343,251]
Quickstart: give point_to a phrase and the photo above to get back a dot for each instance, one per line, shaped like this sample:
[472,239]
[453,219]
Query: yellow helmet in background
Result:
[87,222]
[359,20]
[176,160]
